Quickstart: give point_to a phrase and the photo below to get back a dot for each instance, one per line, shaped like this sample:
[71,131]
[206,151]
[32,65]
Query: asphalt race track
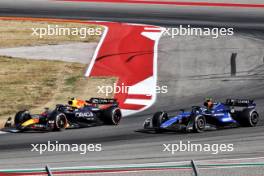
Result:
[138,13]
[189,80]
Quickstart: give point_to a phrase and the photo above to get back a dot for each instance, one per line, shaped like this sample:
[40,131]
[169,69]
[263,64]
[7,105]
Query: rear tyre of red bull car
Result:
[112,116]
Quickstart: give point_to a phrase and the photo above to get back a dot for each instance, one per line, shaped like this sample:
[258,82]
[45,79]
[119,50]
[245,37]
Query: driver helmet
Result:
[209,103]
[73,103]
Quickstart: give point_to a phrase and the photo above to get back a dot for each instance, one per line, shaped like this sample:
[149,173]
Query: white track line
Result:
[137,101]
[90,67]
[3,132]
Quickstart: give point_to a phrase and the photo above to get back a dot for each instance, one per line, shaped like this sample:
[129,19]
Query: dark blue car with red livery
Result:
[93,112]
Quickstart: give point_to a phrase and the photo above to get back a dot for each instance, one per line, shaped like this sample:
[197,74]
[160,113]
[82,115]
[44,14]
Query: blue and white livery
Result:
[232,113]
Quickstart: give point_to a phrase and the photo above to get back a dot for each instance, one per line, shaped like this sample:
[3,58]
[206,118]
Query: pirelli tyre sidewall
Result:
[21,117]
[112,116]
[199,124]
[158,119]
[249,118]
[57,122]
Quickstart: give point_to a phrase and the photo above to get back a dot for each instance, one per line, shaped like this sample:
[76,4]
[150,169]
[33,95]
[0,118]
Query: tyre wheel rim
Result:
[200,123]
[254,118]
[61,122]
[117,117]
[163,119]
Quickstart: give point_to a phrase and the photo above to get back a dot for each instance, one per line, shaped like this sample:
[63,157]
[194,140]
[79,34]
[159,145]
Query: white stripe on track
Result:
[91,64]
[3,132]
[138,101]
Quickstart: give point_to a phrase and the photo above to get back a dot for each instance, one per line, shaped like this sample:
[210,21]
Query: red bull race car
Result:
[76,114]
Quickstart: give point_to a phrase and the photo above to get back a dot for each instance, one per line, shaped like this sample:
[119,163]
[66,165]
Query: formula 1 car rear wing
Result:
[102,101]
[240,102]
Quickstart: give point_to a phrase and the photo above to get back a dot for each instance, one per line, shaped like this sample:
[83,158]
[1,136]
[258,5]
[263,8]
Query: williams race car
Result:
[96,111]
[232,113]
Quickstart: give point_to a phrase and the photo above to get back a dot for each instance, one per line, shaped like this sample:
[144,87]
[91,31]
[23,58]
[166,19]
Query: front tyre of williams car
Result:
[199,123]
[156,121]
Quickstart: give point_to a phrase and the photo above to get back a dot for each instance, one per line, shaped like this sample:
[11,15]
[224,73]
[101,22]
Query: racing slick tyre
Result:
[21,117]
[249,118]
[158,119]
[59,122]
[112,116]
[199,124]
